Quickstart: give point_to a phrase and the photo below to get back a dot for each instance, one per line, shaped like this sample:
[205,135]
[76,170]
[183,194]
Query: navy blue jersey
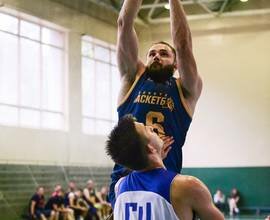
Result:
[145,195]
[163,107]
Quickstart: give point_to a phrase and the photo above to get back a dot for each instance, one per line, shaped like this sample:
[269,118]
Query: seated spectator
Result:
[233,201]
[106,208]
[37,206]
[219,200]
[89,195]
[70,193]
[57,188]
[79,206]
[56,203]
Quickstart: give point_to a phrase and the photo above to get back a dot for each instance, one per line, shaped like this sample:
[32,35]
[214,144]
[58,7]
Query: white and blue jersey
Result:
[145,195]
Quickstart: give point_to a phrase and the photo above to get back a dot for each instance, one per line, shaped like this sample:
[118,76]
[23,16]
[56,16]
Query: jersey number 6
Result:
[154,119]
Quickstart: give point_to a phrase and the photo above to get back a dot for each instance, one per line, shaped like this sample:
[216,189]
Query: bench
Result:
[257,209]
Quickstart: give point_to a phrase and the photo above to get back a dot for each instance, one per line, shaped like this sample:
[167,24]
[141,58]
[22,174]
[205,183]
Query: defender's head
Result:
[130,143]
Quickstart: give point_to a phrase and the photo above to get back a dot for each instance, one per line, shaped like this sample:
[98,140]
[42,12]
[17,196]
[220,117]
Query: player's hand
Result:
[167,142]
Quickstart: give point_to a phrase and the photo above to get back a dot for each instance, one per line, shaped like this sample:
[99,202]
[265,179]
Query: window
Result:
[32,74]
[100,86]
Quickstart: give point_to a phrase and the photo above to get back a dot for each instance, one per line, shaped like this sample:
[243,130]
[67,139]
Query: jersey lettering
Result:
[133,207]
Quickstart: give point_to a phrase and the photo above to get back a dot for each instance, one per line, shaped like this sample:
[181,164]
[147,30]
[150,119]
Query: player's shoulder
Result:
[141,69]
[186,181]
[128,82]
[184,186]
[130,78]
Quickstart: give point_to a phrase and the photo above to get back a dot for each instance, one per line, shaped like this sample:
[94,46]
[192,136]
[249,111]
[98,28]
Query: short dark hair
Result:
[126,146]
[170,46]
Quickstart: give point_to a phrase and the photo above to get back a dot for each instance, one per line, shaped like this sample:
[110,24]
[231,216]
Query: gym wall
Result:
[28,146]
[231,123]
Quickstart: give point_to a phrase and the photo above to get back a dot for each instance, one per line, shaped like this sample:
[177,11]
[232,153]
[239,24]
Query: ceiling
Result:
[154,12]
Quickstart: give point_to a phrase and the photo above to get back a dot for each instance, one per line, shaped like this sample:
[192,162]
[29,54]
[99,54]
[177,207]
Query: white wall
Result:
[50,147]
[233,119]
[231,126]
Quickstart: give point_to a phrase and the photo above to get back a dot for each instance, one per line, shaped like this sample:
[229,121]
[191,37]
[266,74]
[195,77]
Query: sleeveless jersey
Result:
[145,196]
[162,106]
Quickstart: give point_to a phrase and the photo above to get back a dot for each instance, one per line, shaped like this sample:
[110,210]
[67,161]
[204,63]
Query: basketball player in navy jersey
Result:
[149,91]
[150,191]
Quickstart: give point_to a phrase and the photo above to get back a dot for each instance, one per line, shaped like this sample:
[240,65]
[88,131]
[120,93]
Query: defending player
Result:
[150,191]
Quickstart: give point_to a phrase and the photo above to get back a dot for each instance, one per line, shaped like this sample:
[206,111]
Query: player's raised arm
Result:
[181,35]
[127,42]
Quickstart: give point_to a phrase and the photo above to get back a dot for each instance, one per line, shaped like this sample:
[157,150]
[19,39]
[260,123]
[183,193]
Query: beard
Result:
[159,73]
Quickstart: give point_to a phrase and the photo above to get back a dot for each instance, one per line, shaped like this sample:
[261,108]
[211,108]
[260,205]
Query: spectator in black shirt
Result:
[70,193]
[56,203]
[37,206]
[89,195]
[79,206]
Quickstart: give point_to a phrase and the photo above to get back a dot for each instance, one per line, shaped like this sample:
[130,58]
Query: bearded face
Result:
[159,73]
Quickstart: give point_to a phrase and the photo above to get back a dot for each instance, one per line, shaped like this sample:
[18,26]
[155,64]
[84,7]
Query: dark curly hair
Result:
[126,146]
